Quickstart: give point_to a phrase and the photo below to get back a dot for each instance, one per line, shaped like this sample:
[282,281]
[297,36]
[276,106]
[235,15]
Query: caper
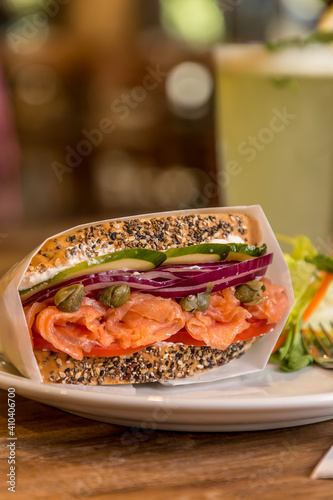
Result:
[120,295]
[250,293]
[115,296]
[203,301]
[69,298]
[189,303]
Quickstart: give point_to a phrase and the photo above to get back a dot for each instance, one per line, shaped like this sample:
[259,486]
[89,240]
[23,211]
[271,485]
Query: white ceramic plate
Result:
[266,400]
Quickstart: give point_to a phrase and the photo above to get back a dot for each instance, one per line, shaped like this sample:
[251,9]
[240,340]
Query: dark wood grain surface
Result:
[61,456]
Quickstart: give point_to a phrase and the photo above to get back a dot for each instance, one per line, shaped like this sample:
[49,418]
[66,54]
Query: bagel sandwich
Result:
[150,298]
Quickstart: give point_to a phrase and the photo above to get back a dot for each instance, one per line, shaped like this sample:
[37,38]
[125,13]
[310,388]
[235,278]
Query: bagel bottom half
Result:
[152,364]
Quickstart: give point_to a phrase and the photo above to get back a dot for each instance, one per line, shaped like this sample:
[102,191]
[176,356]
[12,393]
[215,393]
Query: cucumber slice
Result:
[242,251]
[195,254]
[138,259]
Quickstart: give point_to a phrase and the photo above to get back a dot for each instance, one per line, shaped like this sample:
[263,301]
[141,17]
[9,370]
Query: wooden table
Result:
[61,456]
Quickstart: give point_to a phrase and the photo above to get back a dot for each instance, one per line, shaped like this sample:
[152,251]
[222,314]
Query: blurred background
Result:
[108,108]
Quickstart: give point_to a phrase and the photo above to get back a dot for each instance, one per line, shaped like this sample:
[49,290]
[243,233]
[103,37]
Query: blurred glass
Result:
[275,117]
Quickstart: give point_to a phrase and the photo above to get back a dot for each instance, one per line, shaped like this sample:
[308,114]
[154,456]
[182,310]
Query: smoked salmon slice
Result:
[221,322]
[274,305]
[32,311]
[146,319]
[71,332]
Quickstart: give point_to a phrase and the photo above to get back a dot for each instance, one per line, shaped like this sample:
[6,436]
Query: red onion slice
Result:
[226,272]
[136,280]
[170,284]
[222,284]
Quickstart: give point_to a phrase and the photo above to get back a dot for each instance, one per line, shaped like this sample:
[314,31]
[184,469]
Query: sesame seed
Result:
[158,233]
[148,365]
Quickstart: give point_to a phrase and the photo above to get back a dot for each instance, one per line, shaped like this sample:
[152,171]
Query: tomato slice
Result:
[111,350]
[182,337]
[256,328]
[40,343]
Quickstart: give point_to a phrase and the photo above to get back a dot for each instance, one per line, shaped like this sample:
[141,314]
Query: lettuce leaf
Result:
[322,262]
[305,280]
[302,246]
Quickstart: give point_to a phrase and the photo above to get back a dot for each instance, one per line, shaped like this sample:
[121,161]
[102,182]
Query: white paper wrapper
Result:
[15,340]
[324,469]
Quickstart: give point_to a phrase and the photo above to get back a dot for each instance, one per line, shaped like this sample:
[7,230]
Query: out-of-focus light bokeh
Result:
[199,23]
[111,105]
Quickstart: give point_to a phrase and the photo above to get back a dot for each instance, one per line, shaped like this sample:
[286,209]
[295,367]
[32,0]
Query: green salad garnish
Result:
[315,37]
[307,270]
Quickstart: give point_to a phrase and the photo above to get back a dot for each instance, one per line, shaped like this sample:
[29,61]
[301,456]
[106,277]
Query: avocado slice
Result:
[195,254]
[138,259]
[243,251]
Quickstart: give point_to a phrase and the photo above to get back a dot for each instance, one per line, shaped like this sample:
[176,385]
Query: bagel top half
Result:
[157,233]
